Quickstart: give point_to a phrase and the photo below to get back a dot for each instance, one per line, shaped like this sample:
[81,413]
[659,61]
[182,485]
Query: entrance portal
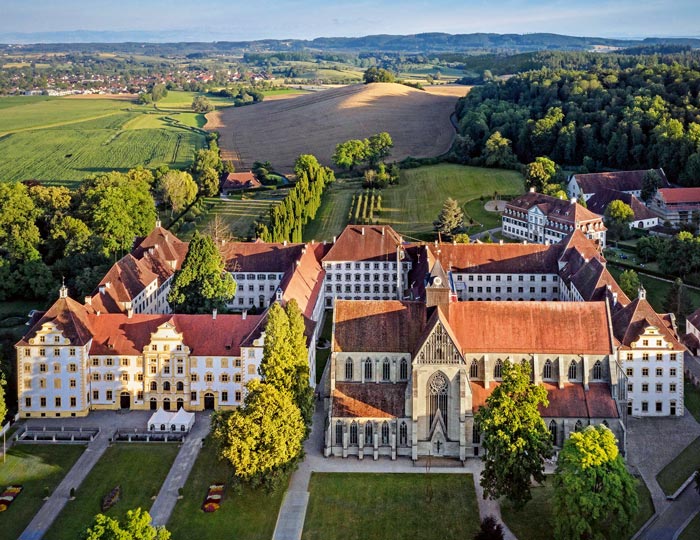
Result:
[209,401]
[154,404]
[125,400]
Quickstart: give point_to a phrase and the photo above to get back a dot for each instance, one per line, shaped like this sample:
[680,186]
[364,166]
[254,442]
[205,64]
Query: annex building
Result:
[420,334]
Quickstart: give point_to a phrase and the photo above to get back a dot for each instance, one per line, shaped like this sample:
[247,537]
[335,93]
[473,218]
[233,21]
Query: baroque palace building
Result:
[420,335]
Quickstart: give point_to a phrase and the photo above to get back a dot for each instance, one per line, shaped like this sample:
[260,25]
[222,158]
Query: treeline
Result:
[241,95]
[678,256]
[287,219]
[635,118]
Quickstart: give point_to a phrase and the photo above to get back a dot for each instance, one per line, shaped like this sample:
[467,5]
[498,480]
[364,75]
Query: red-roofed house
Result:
[677,205]
[233,182]
[631,182]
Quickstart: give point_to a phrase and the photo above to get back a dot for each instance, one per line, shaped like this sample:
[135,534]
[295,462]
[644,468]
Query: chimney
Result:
[500,242]
[98,312]
[532,190]
[334,239]
[614,299]
[244,314]
[102,289]
[284,243]
[213,313]
[157,224]
[88,300]
[642,293]
[129,313]
[363,231]
[382,231]
[573,200]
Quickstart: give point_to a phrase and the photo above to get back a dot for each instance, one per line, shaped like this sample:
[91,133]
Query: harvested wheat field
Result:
[278,131]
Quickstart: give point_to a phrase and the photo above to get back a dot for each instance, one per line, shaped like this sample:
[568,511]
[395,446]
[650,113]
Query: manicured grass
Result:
[413,205]
[691,399]
[62,141]
[34,467]
[534,521]
[139,469]
[379,506]
[675,473]
[692,531]
[183,100]
[250,515]
[322,355]
[332,216]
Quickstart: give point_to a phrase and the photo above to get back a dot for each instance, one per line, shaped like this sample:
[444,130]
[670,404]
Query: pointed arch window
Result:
[578,426]
[385,433]
[368,369]
[553,432]
[353,433]
[437,393]
[573,371]
[403,369]
[369,432]
[498,369]
[339,432]
[386,370]
[474,369]
[476,433]
[598,370]
[403,434]
[348,370]
[548,369]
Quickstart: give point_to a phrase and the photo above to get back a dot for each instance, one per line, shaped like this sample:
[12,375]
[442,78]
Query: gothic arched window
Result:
[353,433]
[553,432]
[368,433]
[368,369]
[573,371]
[437,393]
[403,371]
[339,432]
[476,434]
[598,370]
[403,434]
[348,370]
[386,370]
[385,433]
[498,369]
[548,369]
[474,369]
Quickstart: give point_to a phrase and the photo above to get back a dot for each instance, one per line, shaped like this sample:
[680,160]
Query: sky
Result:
[211,20]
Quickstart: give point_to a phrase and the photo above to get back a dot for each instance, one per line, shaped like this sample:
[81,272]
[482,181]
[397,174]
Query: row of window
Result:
[58,402]
[360,277]
[57,383]
[573,372]
[56,351]
[367,266]
[386,289]
[544,290]
[672,387]
[243,277]
[368,367]
[647,343]
[109,396]
[497,277]
[43,367]
[659,407]
[369,430]
[672,372]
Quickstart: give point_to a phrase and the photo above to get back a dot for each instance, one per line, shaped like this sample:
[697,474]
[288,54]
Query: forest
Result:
[639,117]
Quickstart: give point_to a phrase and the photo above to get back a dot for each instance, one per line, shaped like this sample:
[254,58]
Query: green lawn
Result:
[379,506]
[250,515]
[138,468]
[534,521]
[691,399]
[413,205]
[62,141]
[332,216]
[322,355]
[692,531]
[675,473]
[35,467]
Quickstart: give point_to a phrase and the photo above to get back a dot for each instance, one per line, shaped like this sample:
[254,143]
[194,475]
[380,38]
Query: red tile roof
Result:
[619,180]
[70,317]
[165,243]
[239,180]
[694,319]
[600,201]
[680,195]
[365,243]
[529,327]
[572,401]
[559,210]
[304,281]
[260,256]
[630,322]
[497,258]
[594,282]
[369,400]
[377,325]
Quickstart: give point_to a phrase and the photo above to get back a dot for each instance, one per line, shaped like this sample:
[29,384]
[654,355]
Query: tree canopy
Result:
[202,284]
[178,189]
[514,436]
[451,218]
[594,494]
[136,526]
[629,283]
[374,74]
[352,153]
[202,105]
[618,216]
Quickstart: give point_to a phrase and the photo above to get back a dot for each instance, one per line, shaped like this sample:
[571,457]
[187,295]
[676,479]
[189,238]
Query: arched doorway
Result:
[209,401]
[125,400]
[166,404]
[154,404]
[180,403]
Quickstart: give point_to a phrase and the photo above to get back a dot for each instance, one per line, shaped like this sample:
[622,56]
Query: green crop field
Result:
[63,140]
[412,205]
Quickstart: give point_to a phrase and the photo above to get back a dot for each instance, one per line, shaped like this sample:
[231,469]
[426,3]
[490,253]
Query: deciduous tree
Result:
[263,438]
[650,184]
[202,105]
[618,216]
[498,151]
[514,436]
[3,405]
[178,189]
[594,494]
[451,218]
[350,153]
[629,283]
[540,173]
[202,284]
[137,526]
[19,234]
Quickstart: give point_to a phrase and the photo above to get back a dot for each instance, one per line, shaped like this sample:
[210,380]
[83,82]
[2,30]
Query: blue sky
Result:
[209,20]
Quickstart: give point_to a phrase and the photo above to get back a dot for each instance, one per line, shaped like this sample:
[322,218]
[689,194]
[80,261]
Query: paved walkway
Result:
[670,522]
[179,471]
[51,508]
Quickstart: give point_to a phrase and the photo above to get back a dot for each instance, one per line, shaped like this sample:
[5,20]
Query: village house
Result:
[630,182]
[677,206]
[643,217]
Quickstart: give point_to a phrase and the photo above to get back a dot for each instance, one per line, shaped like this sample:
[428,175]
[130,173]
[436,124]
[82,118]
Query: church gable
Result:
[438,347]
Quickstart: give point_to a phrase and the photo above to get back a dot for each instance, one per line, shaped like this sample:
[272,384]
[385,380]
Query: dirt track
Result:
[278,131]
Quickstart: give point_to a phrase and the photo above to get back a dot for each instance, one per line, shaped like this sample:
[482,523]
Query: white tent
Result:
[162,421]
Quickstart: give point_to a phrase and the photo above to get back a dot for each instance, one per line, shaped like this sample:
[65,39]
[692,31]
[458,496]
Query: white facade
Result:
[367,280]
[471,286]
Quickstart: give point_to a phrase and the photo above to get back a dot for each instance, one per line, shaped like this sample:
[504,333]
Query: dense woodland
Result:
[633,118]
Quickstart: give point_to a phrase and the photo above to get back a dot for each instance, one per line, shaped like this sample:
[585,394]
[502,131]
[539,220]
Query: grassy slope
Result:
[691,399]
[34,467]
[534,522]
[65,140]
[138,468]
[675,473]
[332,217]
[249,516]
[380,506]
[692,531]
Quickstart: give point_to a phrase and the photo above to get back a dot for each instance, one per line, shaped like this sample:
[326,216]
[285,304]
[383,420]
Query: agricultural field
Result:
[64,140]
[278,131]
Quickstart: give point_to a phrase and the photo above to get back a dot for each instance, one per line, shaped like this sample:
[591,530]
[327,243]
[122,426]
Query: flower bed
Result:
[8,496]
[213,500]
[112,498]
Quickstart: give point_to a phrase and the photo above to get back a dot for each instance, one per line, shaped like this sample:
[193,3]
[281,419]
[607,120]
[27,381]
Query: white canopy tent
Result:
[164,421]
